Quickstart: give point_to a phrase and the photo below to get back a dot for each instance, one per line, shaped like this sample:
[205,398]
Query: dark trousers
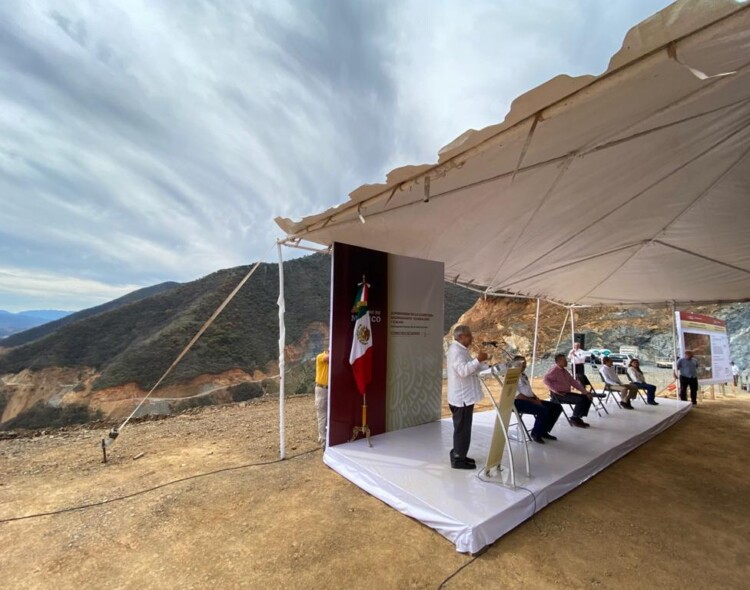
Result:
[580,371]
[650,391]
[691,382]
[580,403]
[546,414]
[462,419]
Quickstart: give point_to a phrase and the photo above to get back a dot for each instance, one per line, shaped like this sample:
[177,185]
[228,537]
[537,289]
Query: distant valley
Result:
[12,323]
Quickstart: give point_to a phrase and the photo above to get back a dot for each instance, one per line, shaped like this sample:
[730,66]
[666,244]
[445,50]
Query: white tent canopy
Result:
[632,187]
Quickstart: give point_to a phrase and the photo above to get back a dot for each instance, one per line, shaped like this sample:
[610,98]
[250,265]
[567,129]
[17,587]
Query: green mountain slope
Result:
[137,341]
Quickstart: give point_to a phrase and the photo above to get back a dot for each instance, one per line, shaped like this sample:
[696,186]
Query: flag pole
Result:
[364,429]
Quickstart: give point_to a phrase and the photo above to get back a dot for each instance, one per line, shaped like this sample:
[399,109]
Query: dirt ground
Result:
[672,514]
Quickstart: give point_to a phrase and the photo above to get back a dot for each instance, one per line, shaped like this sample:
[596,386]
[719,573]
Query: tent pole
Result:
[536,332]
[562,329]
[572,337]
[674,339]
[282,359]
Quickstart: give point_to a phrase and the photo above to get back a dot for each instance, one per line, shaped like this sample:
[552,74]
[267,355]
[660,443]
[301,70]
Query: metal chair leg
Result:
[521,429]
[599,406]
[613,394]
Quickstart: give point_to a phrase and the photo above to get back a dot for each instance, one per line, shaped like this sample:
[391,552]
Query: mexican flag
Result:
[360,357]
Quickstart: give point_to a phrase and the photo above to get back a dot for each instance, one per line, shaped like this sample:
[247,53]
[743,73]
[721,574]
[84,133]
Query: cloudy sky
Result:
[153,140]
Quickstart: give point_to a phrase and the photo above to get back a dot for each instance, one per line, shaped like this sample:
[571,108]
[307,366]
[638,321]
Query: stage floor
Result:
[410,470]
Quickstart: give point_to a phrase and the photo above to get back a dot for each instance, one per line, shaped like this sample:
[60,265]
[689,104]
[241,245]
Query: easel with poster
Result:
[707,338]
[504,408]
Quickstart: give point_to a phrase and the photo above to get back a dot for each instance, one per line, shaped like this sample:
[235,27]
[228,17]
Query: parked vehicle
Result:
[664,363]
[594,355]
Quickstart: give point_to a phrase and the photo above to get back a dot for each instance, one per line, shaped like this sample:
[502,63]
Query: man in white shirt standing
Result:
[627,391]
[577,359]
[735,374]
[464,390]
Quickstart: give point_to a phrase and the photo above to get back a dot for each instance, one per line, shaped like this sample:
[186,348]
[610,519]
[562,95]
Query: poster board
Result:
[707,337]
[406,313]
[505,409]
[414,379]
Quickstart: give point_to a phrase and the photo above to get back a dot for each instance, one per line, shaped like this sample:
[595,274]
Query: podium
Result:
[504,409]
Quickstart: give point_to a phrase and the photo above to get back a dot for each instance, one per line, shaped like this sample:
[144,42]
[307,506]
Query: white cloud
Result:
[153,140]
[52,290]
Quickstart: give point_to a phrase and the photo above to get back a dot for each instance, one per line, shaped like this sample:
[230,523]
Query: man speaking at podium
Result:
[464,390]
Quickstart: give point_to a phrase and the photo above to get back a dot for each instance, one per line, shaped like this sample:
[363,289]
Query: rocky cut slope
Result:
[512,320]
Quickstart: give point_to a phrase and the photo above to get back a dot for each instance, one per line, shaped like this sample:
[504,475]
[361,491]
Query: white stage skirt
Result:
[410,470]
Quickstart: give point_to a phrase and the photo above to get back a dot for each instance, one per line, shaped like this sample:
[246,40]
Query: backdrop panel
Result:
[415,341]
[406,312]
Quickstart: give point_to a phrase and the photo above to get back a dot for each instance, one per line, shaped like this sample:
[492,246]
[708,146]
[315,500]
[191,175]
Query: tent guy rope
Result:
[115,432]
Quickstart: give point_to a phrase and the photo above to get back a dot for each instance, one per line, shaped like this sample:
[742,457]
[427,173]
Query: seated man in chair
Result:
[527,402]
[627,391]
[560,383]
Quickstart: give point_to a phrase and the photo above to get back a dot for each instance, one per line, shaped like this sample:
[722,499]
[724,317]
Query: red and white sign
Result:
[707,337]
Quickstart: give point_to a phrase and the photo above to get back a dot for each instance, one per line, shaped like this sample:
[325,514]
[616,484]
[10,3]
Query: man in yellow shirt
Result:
[321,394]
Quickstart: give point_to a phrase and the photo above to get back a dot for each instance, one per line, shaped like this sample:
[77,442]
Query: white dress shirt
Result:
[524,388]
[636,375]
[609,374]
[577,357]
[464,388]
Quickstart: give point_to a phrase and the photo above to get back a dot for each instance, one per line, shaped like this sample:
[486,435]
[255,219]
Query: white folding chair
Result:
[611,392]
[521,430]
[597,403]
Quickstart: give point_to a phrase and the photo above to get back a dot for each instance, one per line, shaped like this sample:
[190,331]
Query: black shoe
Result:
[653,403]
[537,439]
[547,435]
[454,458]
[579,423]
[626,406]
[462,464]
